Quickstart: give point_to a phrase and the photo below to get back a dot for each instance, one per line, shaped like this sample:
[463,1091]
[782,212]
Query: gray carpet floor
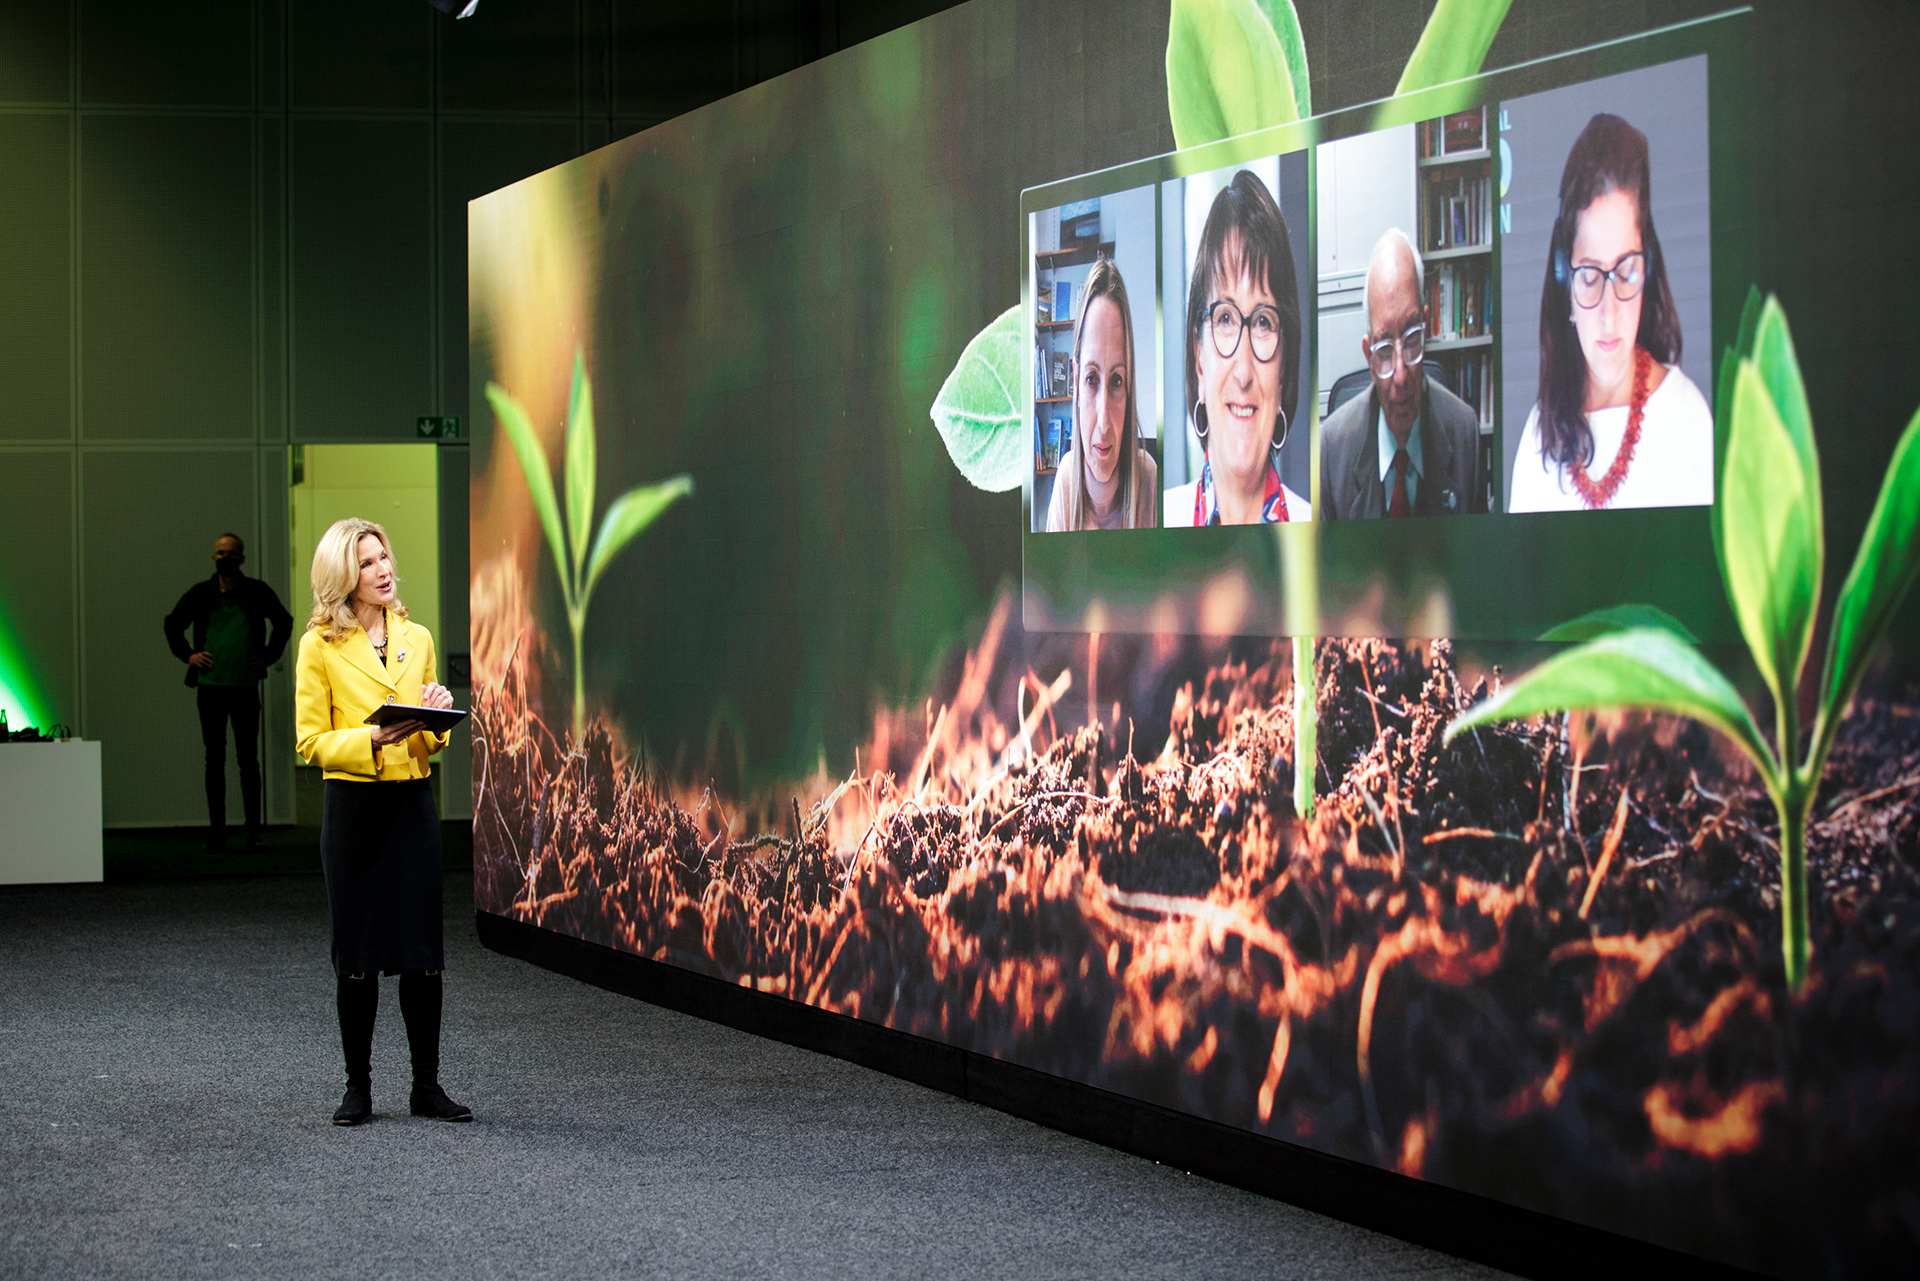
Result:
[169,1062]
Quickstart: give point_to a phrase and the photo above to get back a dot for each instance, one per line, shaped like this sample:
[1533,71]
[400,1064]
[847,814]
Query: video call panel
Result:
[1503,310]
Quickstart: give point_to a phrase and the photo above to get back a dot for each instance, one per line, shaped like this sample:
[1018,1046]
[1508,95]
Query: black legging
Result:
[357,998]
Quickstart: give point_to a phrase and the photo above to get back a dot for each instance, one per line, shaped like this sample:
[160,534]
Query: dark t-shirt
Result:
[228,640]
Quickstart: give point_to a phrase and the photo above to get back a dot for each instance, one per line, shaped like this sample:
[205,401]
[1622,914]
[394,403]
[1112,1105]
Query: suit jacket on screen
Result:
[1451,482]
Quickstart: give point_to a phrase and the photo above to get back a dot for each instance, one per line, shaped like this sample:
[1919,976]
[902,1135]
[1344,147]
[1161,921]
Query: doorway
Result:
[395,486]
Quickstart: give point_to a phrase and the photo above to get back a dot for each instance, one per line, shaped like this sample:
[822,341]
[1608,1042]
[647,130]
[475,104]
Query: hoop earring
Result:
[1280,441]
[1200,422]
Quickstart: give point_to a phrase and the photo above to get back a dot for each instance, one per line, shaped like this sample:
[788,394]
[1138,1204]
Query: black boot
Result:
[357,997]
[420,1007]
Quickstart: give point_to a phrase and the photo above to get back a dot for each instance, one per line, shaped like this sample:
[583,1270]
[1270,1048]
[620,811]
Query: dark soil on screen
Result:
[1540,964]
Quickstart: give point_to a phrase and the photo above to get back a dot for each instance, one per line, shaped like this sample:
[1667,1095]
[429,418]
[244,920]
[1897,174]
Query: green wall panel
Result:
[36,309]
[150,518]
[361,269]
[166,272]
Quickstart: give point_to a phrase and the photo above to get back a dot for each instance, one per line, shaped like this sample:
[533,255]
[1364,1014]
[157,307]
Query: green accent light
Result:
[20,693]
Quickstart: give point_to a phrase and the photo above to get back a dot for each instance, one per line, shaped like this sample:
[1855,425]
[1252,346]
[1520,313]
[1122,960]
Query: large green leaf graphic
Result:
[533,465]
[580,464]
[1646,667]
[1226,72]
[1773,356]
[1619,618]
[630,514]
[980,412]
[1723,401]
[1281,16]
[1770,534]
[1887,563]
[1454,44]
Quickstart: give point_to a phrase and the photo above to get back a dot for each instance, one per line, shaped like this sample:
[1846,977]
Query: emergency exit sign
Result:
[428,427]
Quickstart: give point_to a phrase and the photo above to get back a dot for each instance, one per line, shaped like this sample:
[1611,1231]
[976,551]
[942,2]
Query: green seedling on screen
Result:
[1221,81]
[1233,67]
[579,558]
[1767,535]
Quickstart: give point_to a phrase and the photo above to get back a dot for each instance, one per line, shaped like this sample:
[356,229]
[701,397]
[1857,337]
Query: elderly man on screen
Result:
[1409,447]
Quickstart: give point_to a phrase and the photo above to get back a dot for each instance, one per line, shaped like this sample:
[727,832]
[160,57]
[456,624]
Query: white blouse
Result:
[1672,466]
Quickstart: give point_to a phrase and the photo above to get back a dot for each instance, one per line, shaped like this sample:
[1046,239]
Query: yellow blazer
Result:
[337,685]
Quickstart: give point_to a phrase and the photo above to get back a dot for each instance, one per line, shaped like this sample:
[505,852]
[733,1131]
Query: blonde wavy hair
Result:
[336,573]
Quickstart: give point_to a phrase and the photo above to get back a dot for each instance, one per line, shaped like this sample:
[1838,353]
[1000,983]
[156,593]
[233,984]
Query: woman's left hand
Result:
[433,694]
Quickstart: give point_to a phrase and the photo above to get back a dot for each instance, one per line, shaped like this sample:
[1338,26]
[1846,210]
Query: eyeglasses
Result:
[1228,322]
[1629,277]
[1411,347]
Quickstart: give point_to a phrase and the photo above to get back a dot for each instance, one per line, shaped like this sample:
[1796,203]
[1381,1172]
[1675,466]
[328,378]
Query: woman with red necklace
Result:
[1616,424]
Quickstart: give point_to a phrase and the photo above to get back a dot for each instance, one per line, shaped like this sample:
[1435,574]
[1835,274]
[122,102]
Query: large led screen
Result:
[906,496]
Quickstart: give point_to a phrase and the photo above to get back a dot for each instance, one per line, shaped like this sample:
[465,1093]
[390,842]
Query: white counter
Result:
[49,812]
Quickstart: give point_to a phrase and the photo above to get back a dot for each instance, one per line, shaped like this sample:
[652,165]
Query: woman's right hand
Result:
[398,732]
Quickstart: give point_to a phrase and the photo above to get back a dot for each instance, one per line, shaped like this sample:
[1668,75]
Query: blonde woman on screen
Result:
[1107,480]
[379,831]
[1616,424]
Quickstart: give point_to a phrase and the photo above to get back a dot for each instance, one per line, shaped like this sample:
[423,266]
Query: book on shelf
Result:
[1450,135]
[1042,376]
[1043,299]
[1457,211]
[1470,376]
[1056,435]
[1063,300]
[1464,131]
[1062,374]
[1457,300]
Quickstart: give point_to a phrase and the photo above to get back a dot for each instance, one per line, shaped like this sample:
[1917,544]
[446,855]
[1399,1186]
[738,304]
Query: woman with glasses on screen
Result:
[1243,346]
[1616,424]
[1107,480]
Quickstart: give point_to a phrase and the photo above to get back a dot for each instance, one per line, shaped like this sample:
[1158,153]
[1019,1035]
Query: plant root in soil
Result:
[1534,964]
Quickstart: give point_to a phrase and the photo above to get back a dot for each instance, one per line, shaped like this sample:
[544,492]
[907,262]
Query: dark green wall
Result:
[237,224]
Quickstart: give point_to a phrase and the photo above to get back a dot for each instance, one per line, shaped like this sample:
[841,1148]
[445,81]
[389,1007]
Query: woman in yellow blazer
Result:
[379,831]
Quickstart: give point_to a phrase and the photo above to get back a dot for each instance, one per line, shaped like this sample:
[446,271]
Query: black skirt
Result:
[380,847]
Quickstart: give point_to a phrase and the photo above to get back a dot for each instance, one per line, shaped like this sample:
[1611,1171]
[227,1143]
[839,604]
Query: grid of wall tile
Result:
[238,225]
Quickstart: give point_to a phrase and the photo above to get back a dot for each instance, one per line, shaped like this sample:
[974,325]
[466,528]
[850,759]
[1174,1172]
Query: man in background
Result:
[1409,447]
[240,629]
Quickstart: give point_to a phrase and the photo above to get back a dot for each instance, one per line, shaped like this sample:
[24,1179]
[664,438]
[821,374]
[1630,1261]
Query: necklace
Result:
[1598,494]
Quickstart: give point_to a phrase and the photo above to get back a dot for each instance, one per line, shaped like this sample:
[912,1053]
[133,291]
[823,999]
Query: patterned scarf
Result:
[1206,509]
